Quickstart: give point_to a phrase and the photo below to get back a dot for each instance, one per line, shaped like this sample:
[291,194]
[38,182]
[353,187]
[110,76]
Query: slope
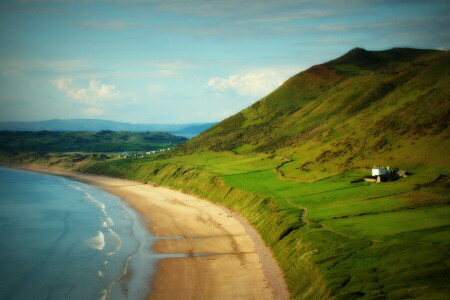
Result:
[386,107]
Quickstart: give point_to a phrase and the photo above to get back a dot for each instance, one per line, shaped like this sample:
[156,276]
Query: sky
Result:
[185,61]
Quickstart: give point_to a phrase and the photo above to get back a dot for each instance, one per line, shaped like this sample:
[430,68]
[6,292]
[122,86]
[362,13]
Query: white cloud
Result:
[97,98]
[93,111]
[93,94]
[251,84]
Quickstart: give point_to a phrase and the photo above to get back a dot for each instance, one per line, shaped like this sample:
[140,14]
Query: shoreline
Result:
[223,255]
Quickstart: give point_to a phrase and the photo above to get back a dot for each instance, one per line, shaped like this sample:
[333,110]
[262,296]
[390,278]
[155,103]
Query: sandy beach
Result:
[225,258]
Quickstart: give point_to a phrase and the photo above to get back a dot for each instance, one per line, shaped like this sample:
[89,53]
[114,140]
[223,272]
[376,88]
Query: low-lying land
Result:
[99,141]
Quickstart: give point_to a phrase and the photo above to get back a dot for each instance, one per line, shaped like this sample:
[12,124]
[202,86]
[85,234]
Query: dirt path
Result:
[304,213]
[303,218]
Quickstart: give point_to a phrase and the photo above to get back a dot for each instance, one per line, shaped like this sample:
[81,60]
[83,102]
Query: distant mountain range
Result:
[187,130]
[99,141]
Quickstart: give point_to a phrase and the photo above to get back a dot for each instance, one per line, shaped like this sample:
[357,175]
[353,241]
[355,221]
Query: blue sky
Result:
[181,61]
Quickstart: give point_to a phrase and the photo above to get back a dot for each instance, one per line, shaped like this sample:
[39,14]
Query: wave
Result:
[125,269]
[109,221]
[106,292]
[104,295]
[75,187]
[95,202]
[117,242]
[90,198]
[97,242]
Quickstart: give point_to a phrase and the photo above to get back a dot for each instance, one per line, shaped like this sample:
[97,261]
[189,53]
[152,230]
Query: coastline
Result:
[221,255]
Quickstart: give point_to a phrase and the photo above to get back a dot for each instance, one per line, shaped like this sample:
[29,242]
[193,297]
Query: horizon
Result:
[179,62]
[94,119]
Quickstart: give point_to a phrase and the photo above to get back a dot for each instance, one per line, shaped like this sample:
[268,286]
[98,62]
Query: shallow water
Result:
[62,239]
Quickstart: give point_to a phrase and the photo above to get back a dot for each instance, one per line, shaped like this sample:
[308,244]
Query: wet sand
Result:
[225,257]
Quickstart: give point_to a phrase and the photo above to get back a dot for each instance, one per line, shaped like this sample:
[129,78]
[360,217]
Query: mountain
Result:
[100,141]
[190,129]
[387,107]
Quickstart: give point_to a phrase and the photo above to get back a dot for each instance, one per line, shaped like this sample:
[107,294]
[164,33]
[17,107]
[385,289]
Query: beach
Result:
[221,254]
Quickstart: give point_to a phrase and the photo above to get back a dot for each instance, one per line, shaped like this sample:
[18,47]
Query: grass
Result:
[225,163]
[379,225]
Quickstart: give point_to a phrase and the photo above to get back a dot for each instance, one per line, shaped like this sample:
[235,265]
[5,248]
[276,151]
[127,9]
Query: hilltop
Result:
[388,107]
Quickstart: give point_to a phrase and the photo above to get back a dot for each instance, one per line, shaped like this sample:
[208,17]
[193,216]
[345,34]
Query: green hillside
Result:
[380,107]
[100,141]
[290,164]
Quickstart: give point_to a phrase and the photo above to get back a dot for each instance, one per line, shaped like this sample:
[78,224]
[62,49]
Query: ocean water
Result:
[62,239]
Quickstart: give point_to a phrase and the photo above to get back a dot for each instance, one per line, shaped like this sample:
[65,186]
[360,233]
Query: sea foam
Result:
[75,187]
[97,242]
[95,202]
[104,295]
[117,242]
[109,221]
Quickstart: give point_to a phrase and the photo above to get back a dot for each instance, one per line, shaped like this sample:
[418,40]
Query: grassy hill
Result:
[286,164]
[100,141]
[381,107]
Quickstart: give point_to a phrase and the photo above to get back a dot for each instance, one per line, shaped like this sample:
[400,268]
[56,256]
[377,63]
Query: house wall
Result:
[380,171]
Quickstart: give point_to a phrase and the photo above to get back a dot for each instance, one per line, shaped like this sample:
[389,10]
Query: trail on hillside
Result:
[305,220]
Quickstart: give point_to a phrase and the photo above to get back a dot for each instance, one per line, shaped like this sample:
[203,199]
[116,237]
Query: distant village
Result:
[142,154]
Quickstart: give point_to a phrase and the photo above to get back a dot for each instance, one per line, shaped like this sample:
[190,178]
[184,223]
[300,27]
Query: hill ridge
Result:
[346,114]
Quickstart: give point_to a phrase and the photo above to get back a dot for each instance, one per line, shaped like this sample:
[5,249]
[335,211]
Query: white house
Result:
[378,171]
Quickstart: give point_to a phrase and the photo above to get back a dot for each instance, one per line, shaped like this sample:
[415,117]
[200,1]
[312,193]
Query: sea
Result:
[63,239]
